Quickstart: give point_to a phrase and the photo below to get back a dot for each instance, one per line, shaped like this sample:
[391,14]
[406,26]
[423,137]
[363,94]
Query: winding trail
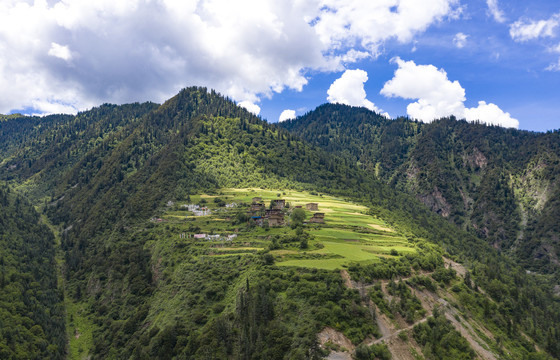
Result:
[397,332]
[389,332]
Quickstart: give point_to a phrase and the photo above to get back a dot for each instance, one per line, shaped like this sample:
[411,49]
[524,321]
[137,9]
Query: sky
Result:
[493,61]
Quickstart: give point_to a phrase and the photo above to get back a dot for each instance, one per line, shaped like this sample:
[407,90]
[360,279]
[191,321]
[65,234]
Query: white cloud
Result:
[60,51]
[287,115]
[554,66]
[438,97]
[136,50]
[353,56]
[249,106]
[527,29]
[369,23]
[490,114]
[349,90]
[460,40]
[495,11]
[555,48]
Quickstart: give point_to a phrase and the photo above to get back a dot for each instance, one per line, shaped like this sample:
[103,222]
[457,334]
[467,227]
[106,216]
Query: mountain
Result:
[381,277]
[500,184]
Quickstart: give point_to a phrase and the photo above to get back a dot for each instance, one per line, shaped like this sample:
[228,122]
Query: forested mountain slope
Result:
[138,287]
[501,184]
[40,150]
[31,309]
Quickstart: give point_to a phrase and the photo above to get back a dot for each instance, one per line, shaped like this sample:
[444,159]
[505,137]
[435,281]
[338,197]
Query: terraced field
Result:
[348,235]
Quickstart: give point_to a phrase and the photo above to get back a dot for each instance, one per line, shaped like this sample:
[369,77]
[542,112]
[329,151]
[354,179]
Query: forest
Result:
[31,309]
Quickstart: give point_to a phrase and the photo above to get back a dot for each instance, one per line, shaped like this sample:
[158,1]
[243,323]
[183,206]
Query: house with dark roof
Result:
[276,219]
[318,218]
[278,204]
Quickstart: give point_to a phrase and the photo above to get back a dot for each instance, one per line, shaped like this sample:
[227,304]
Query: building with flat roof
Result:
[312,206]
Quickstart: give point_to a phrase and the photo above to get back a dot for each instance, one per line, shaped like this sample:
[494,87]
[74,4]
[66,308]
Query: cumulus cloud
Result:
[528,29]
[490,114]
[438,97]
[369,23]
[136,50]
[460,40]
[287,115]
[249,106]
[349,90]
[495,11]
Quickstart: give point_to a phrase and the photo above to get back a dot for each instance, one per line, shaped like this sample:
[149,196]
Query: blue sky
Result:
[490,66]
[488,60]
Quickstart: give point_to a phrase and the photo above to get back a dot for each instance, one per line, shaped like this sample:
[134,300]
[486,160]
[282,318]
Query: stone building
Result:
[312,206]
[278,204]
[318,218]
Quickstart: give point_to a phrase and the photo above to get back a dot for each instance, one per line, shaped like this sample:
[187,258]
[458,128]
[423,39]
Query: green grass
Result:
[342,242]
[326,264]
[79,329]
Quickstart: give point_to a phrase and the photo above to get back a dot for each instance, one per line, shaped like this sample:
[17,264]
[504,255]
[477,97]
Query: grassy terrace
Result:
[348,235]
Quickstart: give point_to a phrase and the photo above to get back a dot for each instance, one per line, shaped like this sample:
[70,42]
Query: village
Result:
[296,228]
[258,214]
[274,215]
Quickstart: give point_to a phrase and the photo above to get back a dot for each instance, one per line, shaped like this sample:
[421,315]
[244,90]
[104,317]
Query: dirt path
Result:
[400,350]
[389,332]
[397,332]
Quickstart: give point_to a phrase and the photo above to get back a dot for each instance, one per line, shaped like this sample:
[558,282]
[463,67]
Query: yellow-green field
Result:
[348,235]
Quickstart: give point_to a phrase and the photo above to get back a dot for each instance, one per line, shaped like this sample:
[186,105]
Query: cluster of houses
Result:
[274,215]
[258,214]
[215,237]
[197,210]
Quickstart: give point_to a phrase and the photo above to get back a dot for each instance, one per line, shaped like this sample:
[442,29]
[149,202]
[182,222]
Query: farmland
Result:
[348,235]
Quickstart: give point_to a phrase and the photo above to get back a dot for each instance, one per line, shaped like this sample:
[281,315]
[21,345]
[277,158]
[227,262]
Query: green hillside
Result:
[139,285]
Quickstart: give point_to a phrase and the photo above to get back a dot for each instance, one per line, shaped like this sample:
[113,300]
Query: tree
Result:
[297,217]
